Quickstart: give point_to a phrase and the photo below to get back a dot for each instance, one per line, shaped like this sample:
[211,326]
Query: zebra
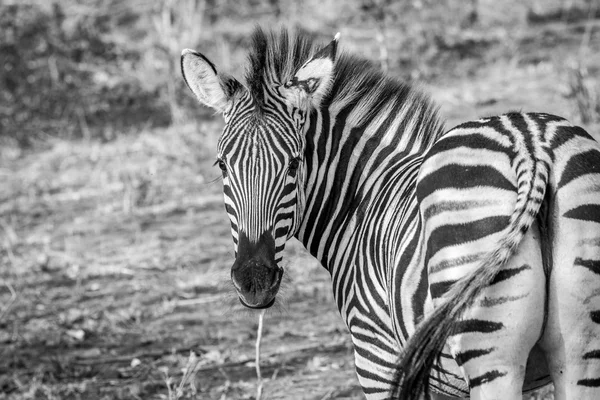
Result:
[463,262]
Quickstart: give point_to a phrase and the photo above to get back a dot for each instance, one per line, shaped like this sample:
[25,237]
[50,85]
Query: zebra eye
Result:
[294,164]
[222,165]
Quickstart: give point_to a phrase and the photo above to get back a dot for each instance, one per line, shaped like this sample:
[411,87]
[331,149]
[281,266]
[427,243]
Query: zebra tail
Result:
[425,346]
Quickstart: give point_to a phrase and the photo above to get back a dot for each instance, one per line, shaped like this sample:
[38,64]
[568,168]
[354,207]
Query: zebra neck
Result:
[358,173]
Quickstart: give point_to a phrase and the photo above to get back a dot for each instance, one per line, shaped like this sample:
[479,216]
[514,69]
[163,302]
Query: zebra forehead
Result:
[258,143]
[257,133]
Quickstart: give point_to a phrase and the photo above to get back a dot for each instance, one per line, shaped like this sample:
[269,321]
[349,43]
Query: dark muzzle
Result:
[255,274]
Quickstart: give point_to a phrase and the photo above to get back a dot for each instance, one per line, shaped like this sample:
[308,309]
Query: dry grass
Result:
[585,92]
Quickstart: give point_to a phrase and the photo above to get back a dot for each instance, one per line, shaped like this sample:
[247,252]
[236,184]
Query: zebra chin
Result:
[258,307]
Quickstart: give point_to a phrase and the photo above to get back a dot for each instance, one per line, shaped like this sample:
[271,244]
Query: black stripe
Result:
[447,384]
[438,289]
[566,133]
[474,141]
[476,325]
[591,355]
[230,210]
[342,277]
[594,382]
[496,124]
[517,119]
[581,164]
[454,262]
[587,212]
[494,301]
[454,205]
[372,356]
[310,143]
[540,189]
[290,203]
[595,316]
[592,265]
[281,232]
[485,378]
[508,273]
[466,356]
[462,177]
[450,235]
[473,124]
[417,303]
[561,137]
[520,175]
[579,131]
[285,215]
[371,390]
[370,375]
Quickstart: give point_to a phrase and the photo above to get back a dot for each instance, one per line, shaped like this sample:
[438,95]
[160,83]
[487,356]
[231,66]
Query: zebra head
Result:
[261,149]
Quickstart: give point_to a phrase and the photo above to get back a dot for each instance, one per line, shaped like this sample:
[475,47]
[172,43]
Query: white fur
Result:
[203,81]
[321,70]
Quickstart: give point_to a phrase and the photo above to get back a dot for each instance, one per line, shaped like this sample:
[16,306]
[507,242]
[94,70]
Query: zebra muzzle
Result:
[257,285]
[255,273]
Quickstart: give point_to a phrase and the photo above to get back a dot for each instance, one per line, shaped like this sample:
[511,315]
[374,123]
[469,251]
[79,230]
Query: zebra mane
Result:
[276,56]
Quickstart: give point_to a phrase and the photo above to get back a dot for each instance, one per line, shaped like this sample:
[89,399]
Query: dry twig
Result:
[13,298]
[257,356]
[188,376]
[289,355]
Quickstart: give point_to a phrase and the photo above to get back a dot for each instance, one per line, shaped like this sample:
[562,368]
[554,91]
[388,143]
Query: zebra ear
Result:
[315,76]
[212,89]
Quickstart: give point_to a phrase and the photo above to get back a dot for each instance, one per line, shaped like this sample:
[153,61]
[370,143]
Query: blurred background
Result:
[114,246]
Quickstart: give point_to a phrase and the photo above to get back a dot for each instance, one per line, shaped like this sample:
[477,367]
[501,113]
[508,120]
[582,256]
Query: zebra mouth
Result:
[258,307]
[259,289]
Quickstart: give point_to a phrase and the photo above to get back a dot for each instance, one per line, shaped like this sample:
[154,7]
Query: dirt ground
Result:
[118,255]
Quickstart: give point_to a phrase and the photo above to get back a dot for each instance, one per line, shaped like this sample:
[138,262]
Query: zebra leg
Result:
[572,335]
[497,334]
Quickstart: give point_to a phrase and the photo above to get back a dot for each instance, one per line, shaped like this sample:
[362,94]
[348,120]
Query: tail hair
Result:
[426,344]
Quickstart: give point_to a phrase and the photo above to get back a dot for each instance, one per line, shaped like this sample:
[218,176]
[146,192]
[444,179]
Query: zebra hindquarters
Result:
[466,210]
[495,337]
[572,335]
